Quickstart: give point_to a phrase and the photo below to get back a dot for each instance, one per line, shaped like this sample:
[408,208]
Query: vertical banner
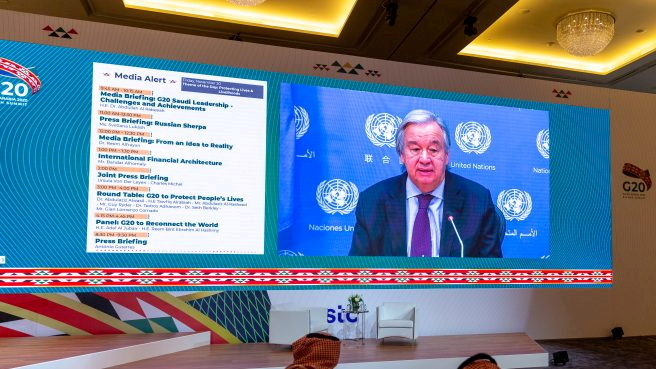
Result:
[167,161]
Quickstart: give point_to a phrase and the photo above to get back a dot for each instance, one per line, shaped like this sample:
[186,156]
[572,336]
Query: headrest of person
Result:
[479,361]
[316,351]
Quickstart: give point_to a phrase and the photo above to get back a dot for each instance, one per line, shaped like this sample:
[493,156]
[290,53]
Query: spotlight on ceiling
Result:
[469,22]
[391,9]
[585,33]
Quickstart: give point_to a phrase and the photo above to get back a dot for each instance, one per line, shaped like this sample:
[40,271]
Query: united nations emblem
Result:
[473,137]
[381,129]
[289,253]
[542,142]
[515,204]
[301,120]
[337,196]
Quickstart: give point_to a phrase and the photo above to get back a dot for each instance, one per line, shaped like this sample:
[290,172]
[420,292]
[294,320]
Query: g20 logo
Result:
[633,186]
[633,171]
[10,89]
[22,79]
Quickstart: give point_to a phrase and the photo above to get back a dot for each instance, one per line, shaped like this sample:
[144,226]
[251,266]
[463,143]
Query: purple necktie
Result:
[421,235]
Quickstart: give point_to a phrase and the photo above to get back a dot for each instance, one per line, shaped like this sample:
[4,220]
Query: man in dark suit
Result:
[426,211]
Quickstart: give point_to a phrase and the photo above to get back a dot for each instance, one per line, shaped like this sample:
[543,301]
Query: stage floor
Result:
[93,351]
[512,350]
[169,351]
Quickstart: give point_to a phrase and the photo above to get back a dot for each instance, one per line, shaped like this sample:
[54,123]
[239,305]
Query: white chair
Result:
[396,319]
[287,324]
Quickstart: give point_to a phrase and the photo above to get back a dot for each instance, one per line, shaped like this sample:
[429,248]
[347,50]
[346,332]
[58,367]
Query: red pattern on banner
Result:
[59,312]
[127,300]
[183,317]
[8,332]
[252,277]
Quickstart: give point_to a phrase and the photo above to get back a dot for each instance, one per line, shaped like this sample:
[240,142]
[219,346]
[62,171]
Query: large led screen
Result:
[124,172]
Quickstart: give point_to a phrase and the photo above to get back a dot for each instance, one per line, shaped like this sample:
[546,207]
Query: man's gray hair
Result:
[420,116]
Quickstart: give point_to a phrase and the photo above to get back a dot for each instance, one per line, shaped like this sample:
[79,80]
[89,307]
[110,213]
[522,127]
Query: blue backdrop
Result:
[335,143]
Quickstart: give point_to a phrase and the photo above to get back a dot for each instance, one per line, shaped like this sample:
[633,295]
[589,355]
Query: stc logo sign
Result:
[339,316]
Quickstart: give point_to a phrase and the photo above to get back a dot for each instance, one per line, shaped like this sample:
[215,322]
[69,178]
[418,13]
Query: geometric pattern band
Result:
[263,277]
[229,316]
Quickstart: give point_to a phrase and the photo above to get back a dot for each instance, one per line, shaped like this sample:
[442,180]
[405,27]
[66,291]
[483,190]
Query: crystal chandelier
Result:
[246,2]
[585,33]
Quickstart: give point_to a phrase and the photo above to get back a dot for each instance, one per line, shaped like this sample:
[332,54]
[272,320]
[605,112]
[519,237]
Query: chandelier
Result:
[246,2]
[585,33]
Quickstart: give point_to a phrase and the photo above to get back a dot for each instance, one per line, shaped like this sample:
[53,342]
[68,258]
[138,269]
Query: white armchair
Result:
[287,324]
[396,319]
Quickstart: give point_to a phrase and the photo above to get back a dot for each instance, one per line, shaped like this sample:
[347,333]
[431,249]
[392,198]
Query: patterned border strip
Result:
[164,277]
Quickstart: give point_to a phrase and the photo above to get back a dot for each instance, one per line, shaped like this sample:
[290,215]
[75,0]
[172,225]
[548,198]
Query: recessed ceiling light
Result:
[517,38]
[326,18]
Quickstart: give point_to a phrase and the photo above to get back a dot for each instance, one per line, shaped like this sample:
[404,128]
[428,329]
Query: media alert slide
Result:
[177,162]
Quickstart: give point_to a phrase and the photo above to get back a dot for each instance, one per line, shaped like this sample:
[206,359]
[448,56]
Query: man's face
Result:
[424,155]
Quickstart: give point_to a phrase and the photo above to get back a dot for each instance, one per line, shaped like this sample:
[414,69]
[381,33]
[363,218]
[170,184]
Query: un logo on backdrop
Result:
[542,142]
[301,121]
[337,196]
[473,137]
[289,253]
[515,204]
[381,129]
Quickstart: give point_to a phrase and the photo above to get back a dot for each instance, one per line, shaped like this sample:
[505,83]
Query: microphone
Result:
[462,246]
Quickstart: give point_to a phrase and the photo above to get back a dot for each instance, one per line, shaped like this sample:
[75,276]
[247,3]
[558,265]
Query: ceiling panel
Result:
[429,32]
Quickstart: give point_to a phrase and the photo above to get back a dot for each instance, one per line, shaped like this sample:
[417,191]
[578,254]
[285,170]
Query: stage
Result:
[192,350]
